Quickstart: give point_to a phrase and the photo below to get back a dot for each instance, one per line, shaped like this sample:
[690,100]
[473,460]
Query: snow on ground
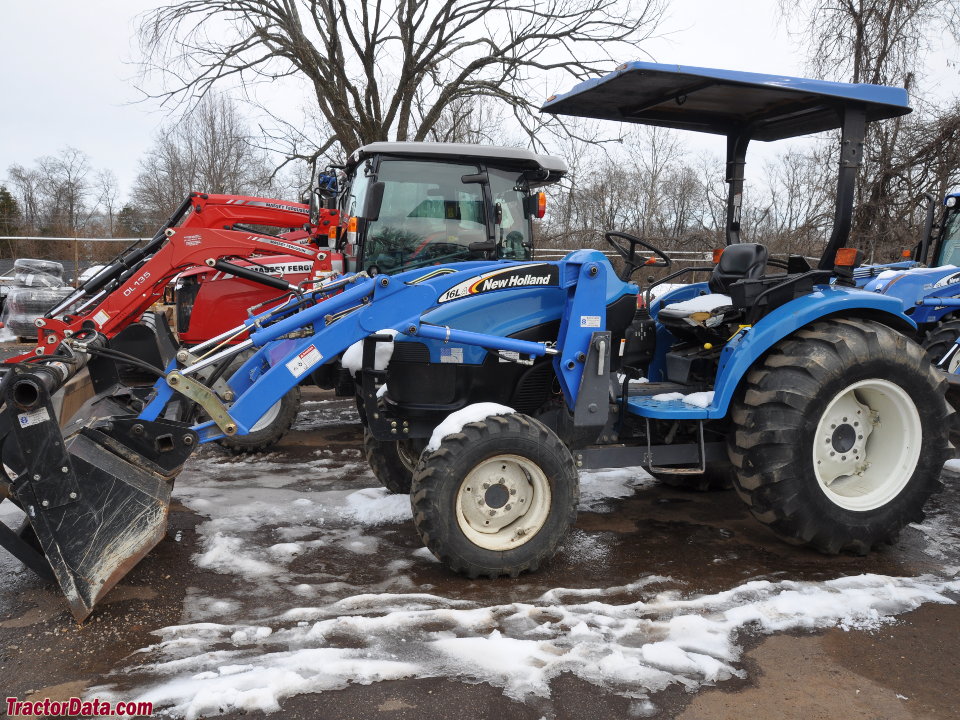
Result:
[599,487]
[321,595]
[659,638]
[10,514]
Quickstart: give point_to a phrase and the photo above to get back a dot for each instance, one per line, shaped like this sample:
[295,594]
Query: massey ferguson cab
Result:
[407,205]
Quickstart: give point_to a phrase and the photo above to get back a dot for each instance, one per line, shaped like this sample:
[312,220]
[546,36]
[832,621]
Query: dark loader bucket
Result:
[96,501]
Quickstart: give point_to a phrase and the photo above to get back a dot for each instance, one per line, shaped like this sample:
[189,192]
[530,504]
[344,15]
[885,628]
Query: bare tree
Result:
[210,150]
[799,201]
[109,198]
[55,194]
[469,120]
[63,179]
[882,42]
[26,189]
[391,70]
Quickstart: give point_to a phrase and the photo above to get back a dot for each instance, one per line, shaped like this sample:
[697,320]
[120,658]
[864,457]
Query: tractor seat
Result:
[743,261]
[705,318]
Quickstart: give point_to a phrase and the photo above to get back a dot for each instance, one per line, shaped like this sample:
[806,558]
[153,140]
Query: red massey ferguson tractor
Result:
[222,255]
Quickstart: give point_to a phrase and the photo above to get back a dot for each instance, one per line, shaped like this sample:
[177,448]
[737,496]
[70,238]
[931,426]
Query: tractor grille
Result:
[410,352]
[533,390]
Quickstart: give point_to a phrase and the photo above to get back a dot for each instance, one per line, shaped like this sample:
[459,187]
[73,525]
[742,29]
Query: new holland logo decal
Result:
[539,275]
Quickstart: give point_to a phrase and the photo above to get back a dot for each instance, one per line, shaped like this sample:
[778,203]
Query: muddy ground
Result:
[706,543]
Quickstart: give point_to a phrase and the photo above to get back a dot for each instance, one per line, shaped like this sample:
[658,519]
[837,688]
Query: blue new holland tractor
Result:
[507,377]
[931,295]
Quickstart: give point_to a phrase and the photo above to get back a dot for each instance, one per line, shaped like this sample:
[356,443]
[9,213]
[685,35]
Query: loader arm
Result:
[197,213]
[290,345]
[223,211]
[128,300]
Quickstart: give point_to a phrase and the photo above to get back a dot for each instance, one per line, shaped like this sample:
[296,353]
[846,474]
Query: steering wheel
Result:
[630,264]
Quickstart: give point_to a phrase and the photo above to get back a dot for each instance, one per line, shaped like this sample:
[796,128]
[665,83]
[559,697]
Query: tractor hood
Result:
[724,102]
[916,283]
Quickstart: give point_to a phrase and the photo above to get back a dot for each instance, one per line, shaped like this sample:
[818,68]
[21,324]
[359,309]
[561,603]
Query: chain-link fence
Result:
[37,273]
[75,254]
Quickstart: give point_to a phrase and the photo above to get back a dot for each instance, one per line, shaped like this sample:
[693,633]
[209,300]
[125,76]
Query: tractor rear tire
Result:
[496,498]
[392,462]
[839,436]
[269,429]
[940,339]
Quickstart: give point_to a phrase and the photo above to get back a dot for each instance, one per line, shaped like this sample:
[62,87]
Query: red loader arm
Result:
[122,292]
[224,211]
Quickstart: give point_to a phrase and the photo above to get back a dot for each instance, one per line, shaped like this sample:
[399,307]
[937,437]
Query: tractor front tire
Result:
[392,462]
[839,436]
[496,498]
[269,429]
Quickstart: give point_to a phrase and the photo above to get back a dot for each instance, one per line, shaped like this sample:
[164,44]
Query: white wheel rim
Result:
[953,363]
[267,418]
[867,444]
[503,502]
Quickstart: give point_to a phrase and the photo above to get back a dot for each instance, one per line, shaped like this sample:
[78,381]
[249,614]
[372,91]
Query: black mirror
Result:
[529,206]
[480,177]
[371,208]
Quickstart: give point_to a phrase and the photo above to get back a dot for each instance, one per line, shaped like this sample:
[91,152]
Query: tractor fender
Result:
[742,352]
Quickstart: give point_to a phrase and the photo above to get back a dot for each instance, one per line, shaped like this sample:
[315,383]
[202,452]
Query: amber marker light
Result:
[846,257]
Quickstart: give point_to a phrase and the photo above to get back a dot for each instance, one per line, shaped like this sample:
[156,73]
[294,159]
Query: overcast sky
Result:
[68,73]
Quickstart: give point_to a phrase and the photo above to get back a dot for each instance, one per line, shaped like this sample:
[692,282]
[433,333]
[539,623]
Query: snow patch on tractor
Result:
[456,420]
[352,358]
[698,399]
[702,303]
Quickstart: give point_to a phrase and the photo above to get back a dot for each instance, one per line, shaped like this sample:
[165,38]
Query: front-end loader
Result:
[226,254]
[508,373]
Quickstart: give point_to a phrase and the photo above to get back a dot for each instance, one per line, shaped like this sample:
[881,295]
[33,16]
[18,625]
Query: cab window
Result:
[950,250]
[509,188]
[428,216]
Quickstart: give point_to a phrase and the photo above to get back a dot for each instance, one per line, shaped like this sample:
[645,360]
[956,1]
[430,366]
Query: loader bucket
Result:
[97,500]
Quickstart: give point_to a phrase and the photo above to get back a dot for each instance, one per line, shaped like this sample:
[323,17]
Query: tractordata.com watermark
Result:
[75,707]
